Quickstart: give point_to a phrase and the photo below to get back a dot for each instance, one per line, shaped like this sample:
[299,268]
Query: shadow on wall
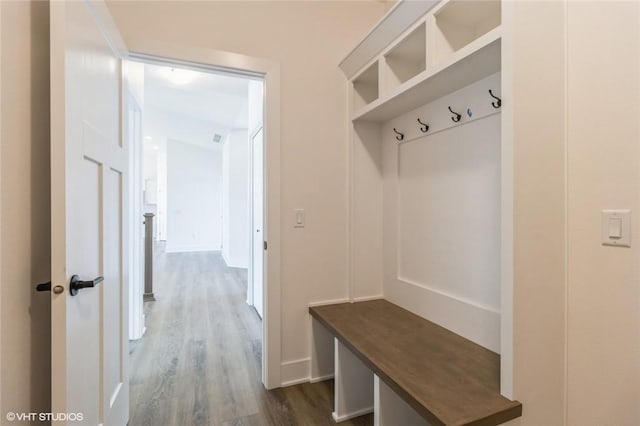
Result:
[40,306]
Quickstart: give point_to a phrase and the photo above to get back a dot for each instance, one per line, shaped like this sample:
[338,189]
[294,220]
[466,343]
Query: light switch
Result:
[299,220]
[616,228]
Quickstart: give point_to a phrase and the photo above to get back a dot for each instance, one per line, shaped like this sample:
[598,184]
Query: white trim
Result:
[234,262]
[449,295]
[184,248]
[565,6]
[350,191]
[401,16]
[1,144]
[270,70]
[352,415]
[321,378]
[328,302]
[368,298]
[506,208]
[108,28]
[480,324]
[295,372]
[131,104]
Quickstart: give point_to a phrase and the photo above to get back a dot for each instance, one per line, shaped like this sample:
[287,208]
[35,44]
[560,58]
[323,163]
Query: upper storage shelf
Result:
[406,59]
[450,46]
[459,23]
[478,60]
[366,86]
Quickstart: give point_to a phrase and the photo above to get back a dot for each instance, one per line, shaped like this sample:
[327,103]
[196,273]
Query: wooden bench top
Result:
[446,378]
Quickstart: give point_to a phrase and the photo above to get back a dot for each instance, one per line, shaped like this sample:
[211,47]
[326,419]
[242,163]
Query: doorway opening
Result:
[198,166]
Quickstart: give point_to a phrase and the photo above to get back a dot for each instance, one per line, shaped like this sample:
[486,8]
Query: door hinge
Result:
[265,245]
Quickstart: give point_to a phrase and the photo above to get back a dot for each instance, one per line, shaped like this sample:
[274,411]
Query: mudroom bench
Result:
[408,370]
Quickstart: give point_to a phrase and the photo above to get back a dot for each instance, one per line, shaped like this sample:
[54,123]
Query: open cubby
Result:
[365,86]
[406,59]
[460,22]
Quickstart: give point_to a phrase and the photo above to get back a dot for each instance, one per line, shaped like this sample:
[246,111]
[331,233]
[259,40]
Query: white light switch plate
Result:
[616,228]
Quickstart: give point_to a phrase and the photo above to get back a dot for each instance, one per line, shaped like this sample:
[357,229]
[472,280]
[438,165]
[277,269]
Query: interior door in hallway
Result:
[257,209]
[89,170]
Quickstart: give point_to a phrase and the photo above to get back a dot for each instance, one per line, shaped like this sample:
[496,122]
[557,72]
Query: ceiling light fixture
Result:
[178,76]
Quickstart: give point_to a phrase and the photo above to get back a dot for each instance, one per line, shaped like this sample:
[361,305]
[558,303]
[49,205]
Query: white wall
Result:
[603,173]
[160,125]
[534,72]
[308,39]
[194,197]
[25,200]
[235,199]
[576,303]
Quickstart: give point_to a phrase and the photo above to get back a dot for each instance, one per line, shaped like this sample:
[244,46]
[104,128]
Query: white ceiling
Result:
[218,99]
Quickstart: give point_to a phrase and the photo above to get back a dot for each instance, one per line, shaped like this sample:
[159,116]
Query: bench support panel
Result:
[353,385]
[391,410]
[322,353]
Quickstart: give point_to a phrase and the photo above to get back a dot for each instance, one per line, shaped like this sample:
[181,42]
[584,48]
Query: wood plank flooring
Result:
[199,361]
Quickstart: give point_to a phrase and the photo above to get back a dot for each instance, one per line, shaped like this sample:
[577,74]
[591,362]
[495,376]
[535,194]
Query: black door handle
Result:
[44,286]
[75,285]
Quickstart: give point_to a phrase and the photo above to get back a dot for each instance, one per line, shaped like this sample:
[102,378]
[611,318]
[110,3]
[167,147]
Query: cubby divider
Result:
[406,59]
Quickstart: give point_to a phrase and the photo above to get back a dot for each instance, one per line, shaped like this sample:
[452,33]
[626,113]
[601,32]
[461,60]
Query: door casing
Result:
[209,60]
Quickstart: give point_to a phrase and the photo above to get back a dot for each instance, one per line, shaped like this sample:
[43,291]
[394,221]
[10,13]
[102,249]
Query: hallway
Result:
[199,360]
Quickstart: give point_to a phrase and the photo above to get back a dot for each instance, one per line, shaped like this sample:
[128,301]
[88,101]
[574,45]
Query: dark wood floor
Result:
[199,360]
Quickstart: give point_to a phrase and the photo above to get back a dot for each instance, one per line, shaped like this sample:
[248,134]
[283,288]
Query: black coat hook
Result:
[457,116]
[495,104]
[424,128]
[399,136]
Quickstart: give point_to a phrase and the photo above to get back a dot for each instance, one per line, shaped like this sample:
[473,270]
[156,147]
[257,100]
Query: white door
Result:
[89,344]
[257,203]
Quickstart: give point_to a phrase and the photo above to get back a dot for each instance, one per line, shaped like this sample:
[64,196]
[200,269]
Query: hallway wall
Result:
[309,39]
[235,199]
[25,200]
[603,173]
[194,197]
[576,303]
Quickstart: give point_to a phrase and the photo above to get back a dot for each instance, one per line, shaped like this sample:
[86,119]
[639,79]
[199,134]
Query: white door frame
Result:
[136,254]
[215,60]
[1,381]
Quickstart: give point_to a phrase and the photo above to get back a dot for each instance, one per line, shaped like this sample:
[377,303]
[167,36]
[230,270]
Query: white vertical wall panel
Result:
[353,394]
[449,212]
[442,219]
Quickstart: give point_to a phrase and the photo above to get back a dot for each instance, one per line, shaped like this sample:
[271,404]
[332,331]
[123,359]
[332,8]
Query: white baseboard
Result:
[367,298]
[328,302]
[321,378]
[186,248]
[235,262]
[478,323]
[350,416]
[294,372]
